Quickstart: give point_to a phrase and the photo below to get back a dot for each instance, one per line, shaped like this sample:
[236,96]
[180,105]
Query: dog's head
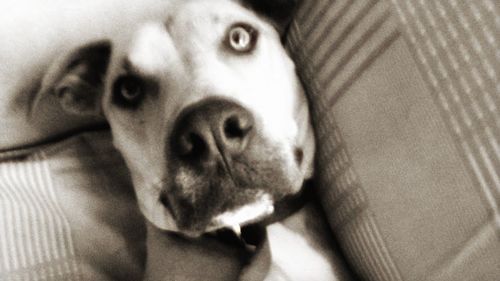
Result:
[205,106]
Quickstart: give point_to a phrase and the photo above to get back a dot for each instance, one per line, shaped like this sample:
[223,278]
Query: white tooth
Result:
[237,229]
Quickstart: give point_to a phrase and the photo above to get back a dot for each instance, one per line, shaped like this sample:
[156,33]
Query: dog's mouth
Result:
[250,234]
[245,225]
[244,228]
[234,220]
[219,196]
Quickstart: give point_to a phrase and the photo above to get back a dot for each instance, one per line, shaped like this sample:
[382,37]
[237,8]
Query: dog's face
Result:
[206,108]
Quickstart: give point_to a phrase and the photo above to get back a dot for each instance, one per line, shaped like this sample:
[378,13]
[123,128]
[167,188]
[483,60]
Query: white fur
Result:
[183,52]
[287,265]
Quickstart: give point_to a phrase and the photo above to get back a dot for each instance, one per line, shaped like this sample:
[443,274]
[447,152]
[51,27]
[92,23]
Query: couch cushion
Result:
[405,100]
[68,212]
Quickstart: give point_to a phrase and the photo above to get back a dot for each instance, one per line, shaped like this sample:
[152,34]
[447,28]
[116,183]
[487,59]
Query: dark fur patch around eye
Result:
[128,91]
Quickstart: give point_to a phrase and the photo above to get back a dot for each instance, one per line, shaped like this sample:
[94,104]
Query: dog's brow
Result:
[129,67]
[149,80]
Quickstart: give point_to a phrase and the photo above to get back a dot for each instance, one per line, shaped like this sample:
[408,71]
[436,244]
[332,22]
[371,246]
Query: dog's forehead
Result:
[187,30]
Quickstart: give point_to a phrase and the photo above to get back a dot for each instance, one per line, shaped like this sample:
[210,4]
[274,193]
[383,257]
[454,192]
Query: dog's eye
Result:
[241,38]
[128,91]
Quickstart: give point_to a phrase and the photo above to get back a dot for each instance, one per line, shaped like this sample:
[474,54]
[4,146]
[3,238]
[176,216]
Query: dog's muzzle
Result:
[223,173]
[207,139]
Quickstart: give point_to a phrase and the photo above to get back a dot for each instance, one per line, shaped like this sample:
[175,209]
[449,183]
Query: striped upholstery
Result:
[67,212]
[36,238]
[405,98]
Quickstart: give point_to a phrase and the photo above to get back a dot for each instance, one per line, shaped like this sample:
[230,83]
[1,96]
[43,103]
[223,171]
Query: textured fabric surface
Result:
[35,236]
[67,212]
[405,98]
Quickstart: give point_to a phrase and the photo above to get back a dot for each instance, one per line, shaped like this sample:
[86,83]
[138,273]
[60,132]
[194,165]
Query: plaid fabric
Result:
[405,98]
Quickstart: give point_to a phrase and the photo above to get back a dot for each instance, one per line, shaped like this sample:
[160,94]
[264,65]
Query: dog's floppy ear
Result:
[77,79]
[280,12]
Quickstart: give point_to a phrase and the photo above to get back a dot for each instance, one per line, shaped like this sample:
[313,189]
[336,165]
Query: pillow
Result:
[68,212]
[405,103]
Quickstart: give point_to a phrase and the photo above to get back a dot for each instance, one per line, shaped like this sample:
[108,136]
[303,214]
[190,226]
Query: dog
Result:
[206,108]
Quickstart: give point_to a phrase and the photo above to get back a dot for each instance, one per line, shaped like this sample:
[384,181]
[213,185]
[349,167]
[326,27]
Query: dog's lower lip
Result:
[247,214]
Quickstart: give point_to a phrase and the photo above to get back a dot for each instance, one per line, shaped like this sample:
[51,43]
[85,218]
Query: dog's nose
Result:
[211,129]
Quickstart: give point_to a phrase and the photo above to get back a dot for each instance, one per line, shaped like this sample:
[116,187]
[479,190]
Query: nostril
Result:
[192,145]
[236,127]
[232,128]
